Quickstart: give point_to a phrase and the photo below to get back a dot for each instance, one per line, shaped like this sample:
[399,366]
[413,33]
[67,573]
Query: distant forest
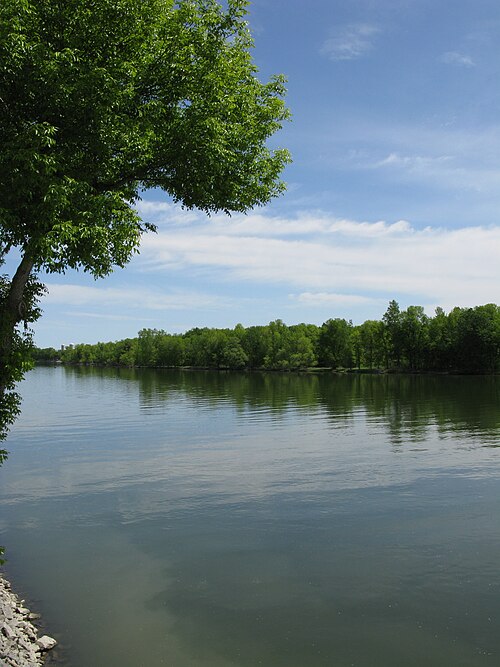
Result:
[466,340]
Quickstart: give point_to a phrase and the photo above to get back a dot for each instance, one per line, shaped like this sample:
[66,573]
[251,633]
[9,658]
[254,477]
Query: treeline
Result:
[464,340]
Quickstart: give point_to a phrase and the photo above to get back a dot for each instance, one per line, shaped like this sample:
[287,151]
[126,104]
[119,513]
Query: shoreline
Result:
[307,370]
[20,643]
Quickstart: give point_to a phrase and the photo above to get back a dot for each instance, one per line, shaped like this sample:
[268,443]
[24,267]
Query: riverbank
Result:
[20,645]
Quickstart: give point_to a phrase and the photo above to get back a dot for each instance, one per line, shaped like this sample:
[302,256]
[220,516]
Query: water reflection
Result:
[199,434]
[203,519]
[407,404]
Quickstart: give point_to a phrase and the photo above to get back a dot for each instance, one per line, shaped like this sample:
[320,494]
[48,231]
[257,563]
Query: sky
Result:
[393,193]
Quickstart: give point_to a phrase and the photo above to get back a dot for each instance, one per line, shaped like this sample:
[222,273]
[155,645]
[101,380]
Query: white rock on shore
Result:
[20,645]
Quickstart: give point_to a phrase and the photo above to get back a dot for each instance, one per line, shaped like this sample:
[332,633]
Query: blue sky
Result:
[394,190]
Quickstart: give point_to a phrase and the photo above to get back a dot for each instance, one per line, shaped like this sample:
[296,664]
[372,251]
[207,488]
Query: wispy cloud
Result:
[350,42]
[438,140]
[154,210]
[367,260]
[412,161]
[330,299]
[108,316]
[79,295]
[255,224]
[440,159]
[456,58]
[370,229]
[443,171]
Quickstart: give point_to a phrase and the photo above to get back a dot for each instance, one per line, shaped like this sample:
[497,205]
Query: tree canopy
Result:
[467,340]
[101,99]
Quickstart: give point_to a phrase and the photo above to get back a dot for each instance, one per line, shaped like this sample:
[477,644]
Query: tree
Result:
[255,342]
[101,99]
[414,325]
[170,350]
[439,351]
[277,337]
[392,321]
[371,333]
[357,346]
[477,342]
[334,343]
[232,354]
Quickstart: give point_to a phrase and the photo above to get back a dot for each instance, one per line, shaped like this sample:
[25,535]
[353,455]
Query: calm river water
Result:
[234,520]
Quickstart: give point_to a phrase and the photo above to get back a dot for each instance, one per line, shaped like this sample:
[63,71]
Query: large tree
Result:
[101,99]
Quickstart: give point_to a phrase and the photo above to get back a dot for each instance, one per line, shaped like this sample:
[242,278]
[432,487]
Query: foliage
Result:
[413,335]
[335,344]
[394,333]
[372,343]
[46,354]
[101,99]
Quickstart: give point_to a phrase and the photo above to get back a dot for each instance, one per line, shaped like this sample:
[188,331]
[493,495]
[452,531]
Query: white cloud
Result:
[152,210]
[350,42]
[79,295]
[257,224]
[456,58]
[332,299]
[370,229]
[413,161]
[442,171]
[339,258]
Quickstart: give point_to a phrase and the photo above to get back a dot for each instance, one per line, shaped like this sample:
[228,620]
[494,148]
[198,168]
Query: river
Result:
[204,519]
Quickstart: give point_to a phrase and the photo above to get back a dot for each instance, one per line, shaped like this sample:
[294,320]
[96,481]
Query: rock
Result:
[6,611]
[46,643]
[28,629]
[19,643]
[23,611]
[7,631]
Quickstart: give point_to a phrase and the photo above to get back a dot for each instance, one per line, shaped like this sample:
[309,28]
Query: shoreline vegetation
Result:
[466,340]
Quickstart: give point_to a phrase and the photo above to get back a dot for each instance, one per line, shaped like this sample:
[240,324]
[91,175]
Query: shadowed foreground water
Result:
[233,520]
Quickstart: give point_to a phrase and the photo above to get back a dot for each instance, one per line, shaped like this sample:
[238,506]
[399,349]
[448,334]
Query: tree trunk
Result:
[12,311]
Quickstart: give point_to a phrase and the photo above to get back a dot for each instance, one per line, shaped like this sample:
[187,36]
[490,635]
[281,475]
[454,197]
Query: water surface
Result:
[231,520]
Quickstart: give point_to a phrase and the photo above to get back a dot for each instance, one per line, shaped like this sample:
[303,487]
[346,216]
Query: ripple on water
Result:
[257,521]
